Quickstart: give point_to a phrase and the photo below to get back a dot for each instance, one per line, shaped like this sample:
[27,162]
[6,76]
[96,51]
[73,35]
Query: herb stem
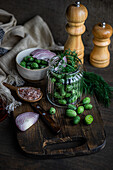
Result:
[70,66]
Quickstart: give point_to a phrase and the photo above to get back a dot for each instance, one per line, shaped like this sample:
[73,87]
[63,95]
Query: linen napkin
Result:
[13,39]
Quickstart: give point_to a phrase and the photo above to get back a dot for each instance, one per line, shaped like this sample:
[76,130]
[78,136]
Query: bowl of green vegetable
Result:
[32,64]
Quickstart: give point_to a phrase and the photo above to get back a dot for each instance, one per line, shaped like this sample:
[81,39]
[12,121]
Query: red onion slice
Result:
[38,50]
[42,54]
[60,63]
[25,120]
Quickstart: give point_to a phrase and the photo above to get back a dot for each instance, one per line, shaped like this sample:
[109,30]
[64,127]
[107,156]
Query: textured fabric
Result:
[1,34]
[2,50]
[35,33]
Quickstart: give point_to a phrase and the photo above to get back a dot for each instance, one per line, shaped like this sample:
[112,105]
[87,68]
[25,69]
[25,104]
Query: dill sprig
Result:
[72,58]
[95,84]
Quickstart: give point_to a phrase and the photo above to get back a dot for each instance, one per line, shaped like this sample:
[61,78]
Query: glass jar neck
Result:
[56,65]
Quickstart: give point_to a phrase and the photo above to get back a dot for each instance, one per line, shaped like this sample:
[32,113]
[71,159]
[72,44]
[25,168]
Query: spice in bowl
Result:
[29,93]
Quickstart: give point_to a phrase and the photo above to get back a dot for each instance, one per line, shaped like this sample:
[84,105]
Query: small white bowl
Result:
[27,74]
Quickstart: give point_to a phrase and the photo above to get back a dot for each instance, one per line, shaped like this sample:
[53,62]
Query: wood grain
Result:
[75,27]
[100,56]
[11,157]
[52,11]
[73,140]
[17,92]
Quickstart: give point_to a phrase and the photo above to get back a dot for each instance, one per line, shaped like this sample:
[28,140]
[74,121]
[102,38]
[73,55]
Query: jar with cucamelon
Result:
[65,85]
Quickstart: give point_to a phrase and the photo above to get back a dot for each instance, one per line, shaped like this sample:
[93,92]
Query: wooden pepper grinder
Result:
[100,56]
[76,15]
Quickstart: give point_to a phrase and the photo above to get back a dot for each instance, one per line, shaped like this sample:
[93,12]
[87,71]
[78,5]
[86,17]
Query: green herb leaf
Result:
[95,84]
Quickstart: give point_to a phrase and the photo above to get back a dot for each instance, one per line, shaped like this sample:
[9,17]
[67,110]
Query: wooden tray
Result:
[73,140]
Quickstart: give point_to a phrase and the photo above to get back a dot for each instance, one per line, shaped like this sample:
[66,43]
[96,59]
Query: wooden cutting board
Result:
[73,140]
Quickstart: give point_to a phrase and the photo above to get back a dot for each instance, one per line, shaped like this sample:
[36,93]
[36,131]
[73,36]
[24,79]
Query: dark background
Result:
[53,12]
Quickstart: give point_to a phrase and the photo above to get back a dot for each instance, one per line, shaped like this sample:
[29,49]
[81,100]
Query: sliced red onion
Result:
[65,59]
[43,54]
[38,50]
[64,65]
[25,120]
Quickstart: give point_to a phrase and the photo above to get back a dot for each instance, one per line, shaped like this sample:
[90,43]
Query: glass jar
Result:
[64,88]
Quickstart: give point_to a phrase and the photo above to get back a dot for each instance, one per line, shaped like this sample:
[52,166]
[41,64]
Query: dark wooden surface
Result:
[72,140]
[53,12]
[12,158]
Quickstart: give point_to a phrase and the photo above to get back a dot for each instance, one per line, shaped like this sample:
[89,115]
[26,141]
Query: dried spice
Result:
[29,93]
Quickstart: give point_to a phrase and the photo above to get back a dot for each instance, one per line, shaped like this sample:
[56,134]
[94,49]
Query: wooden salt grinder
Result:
[100,56]
[76,15]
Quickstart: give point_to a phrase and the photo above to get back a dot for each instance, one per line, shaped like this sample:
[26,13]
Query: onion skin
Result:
[25,120]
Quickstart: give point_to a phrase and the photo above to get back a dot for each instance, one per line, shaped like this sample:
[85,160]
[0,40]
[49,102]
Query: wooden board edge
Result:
[66,155]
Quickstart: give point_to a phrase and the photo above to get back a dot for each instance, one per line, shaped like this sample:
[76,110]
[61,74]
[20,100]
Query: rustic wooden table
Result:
[11,156]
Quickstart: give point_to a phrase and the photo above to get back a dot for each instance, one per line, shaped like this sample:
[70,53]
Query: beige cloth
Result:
[34,33]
